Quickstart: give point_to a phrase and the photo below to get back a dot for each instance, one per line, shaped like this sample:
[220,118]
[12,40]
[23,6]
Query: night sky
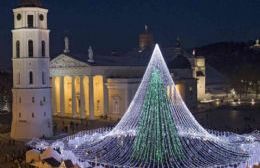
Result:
[115,24]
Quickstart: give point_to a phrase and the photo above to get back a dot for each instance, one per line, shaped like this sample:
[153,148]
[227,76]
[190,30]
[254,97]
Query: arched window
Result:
[17,49]
[43,48]
[30,77]
[43,78]
[30,48]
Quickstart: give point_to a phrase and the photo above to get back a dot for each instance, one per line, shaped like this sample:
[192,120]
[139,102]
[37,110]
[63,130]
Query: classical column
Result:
[62,98]
[91,99]
[74,105]
[53,96]
[105,96]
[82,98]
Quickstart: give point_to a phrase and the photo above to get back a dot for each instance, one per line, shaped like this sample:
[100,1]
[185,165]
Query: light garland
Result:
[158,130]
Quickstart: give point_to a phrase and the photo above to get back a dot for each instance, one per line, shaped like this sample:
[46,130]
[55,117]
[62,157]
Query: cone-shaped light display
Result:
[158,130]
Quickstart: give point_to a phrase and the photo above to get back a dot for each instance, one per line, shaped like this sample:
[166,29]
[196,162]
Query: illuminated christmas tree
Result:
[157,139]
[158,131]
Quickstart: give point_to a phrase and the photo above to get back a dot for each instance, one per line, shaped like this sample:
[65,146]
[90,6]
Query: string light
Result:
[158,130]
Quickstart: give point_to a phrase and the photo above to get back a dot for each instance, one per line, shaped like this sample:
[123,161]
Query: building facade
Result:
[32,115]
[92,86]
[84,90]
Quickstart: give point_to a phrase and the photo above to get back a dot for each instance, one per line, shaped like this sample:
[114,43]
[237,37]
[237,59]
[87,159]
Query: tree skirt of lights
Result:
[158,130]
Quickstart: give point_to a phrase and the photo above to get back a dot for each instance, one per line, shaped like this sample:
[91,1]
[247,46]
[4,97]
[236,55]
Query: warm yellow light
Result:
[68,94]
[178,88]
[217,102]
[57,81]
[98,95]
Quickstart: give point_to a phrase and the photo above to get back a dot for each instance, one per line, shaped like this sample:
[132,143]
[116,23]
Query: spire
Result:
[67,45]
[90,55]
[146,39]
[30,3]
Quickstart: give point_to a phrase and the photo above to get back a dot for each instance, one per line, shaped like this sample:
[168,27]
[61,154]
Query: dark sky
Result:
[115,24]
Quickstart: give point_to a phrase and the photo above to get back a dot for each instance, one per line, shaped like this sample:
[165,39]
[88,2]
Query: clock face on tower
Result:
[41,17]
[19,16]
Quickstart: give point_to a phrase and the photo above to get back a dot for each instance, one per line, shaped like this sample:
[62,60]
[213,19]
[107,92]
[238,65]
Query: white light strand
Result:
[199,147]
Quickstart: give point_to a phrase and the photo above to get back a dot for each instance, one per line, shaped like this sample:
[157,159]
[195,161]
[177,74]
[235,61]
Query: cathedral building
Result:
[88,86]
[92,85]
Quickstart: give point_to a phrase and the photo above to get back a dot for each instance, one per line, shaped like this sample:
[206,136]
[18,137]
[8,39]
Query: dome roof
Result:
[30,3]
[180,62]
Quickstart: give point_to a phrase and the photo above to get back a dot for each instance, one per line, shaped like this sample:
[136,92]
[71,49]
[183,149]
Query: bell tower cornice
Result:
[30,3]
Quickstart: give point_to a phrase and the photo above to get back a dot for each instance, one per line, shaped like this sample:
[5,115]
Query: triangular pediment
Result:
[65,61]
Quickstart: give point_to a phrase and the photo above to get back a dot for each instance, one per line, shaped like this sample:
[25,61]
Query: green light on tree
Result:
[156,140]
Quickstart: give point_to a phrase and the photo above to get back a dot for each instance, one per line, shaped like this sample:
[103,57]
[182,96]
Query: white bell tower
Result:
[32,116]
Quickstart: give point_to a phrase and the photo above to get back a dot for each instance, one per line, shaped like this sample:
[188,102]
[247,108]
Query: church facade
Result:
[91,86]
